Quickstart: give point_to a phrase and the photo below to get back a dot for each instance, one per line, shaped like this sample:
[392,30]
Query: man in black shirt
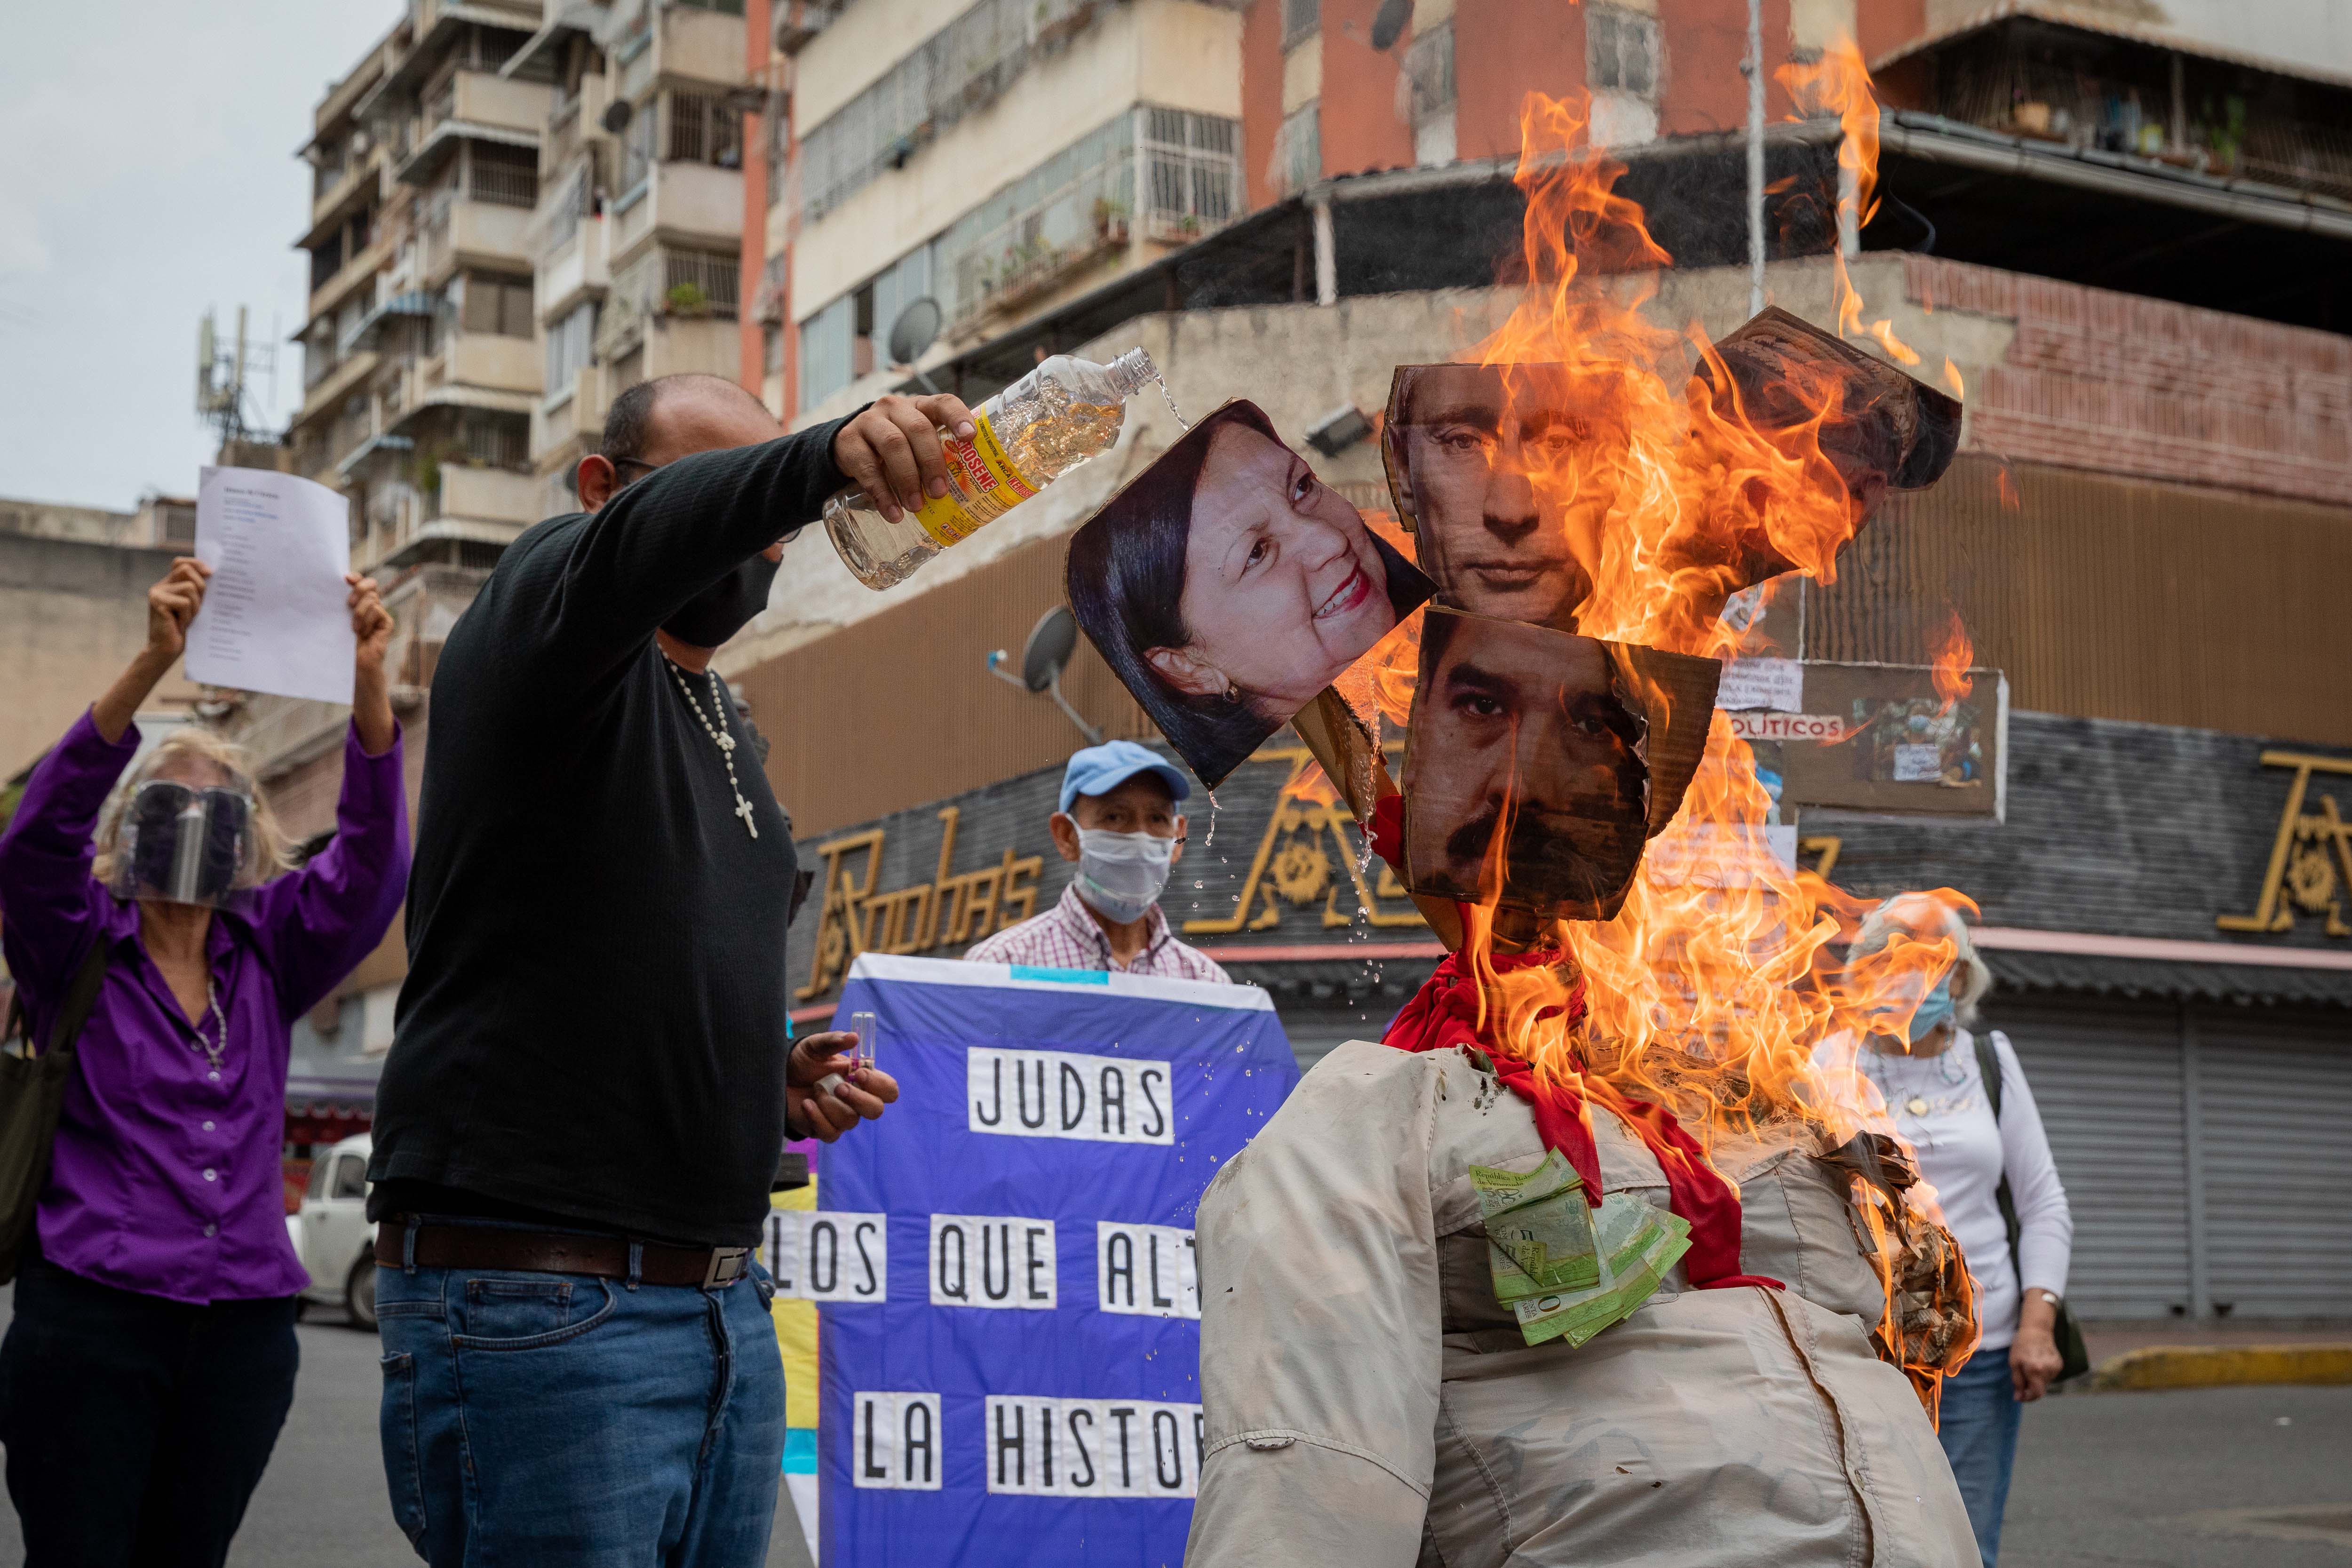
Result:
[589,1085]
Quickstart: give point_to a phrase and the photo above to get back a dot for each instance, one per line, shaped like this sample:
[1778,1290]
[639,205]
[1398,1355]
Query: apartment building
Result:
[996,158]
[637,236]
[420,357]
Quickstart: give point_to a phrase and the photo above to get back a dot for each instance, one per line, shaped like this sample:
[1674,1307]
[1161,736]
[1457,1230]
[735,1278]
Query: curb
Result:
[2219,1366]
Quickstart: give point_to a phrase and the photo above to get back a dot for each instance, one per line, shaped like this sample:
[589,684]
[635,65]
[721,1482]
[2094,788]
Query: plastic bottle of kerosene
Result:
[1025,439]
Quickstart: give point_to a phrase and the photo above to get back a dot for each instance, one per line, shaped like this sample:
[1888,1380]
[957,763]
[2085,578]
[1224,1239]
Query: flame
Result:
[1952,379]
[1839,84]
[1951,656]
[1308,784]
[1711,990]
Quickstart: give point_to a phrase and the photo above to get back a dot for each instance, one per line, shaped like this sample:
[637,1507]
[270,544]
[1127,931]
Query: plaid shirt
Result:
[1067,937]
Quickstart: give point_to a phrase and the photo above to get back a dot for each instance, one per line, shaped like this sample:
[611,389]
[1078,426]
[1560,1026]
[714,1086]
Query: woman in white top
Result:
[1935,1094]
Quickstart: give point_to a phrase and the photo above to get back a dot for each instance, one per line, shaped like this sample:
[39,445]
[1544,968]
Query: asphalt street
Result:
[322,1504]
[2203,1479]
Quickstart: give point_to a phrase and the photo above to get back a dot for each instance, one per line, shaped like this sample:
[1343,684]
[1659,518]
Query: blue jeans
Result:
[564,1419]
[1978,1431]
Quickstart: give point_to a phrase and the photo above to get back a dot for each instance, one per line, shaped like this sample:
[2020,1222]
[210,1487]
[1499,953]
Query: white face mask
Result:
[1121,874]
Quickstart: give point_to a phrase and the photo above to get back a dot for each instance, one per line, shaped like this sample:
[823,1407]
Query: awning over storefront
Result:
[2243,985]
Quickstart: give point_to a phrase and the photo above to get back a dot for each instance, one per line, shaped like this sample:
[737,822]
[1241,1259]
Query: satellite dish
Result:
[1047,651]
[618,115]
[1043,658]
[1388,23]
[917,328]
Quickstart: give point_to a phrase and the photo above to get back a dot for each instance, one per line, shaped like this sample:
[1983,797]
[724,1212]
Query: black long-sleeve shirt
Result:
[592,1024]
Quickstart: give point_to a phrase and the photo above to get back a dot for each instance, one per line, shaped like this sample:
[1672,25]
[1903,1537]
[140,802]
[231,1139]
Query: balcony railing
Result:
[1190,184]
[2047,84]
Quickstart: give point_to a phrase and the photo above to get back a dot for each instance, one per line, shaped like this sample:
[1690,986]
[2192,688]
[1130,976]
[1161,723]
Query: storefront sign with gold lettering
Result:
[2310,867]
[952,910]
[1309,848]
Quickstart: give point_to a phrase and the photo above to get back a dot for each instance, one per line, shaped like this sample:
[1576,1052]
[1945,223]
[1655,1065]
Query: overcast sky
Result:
[148,174]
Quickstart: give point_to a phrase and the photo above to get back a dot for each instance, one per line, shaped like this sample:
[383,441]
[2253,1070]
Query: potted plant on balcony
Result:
[1110,219]
[686,299]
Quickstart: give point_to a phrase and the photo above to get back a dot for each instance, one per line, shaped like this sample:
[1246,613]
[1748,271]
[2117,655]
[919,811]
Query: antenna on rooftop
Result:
[221,371]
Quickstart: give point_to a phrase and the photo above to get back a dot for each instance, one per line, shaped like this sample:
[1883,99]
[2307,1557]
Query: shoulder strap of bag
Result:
[1989,1069]
[66,1027]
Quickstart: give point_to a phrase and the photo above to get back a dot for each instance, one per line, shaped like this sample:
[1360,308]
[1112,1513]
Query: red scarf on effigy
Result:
[1445,1012]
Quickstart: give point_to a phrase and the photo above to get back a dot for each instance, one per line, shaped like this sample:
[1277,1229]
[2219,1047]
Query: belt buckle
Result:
[727,1258]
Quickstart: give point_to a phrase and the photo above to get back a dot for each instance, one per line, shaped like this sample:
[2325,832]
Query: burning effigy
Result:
[1587,1259]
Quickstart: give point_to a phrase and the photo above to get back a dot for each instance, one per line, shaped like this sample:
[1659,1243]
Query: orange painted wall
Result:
[1887,25]
[1704,40]
[1261,97]
[1361,128]
[1504,49]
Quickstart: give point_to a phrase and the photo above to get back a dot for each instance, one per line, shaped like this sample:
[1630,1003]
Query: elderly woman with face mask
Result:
[1928,1070]
[151,1357]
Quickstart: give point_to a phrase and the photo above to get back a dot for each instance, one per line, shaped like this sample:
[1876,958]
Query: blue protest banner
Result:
[1010,1341]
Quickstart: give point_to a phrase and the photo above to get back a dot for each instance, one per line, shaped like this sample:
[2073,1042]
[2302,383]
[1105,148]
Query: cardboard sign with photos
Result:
[1227,587]
[1539,762]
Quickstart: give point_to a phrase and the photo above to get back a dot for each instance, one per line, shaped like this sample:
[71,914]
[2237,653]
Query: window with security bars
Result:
[499,305]
[1621,51]
[1429,71]
[1191,170]
[703,129]
[701,282]
[1300,19]
[1301,154]
[507,176]
[500,440]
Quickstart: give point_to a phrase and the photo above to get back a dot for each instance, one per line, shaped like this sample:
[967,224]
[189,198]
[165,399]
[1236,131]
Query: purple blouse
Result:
[166,1177]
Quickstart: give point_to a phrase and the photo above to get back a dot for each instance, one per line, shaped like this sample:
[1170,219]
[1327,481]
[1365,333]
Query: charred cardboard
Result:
[1208,584]
[1541,763]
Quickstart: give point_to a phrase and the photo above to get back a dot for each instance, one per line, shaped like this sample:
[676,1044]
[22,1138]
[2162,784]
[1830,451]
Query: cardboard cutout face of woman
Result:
[1227,586]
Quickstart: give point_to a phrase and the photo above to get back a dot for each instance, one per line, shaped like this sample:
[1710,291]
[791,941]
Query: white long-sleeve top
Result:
[1940,1106]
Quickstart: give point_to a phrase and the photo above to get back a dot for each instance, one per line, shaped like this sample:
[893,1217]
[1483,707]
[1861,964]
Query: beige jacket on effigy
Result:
[1370,1405]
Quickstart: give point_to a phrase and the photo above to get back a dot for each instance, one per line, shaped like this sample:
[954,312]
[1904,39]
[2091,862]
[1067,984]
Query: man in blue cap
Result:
[1118,822]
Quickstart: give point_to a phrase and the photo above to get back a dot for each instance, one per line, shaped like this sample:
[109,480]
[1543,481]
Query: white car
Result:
[331,1233]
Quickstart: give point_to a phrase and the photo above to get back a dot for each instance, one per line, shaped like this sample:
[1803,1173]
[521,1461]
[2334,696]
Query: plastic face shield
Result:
[181,844]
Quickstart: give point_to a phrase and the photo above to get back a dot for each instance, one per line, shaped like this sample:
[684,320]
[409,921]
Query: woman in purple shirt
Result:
[151,1358]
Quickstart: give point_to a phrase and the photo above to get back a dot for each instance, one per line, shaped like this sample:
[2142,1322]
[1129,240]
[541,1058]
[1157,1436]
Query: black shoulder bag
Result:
[2065,1331]
[32,1086]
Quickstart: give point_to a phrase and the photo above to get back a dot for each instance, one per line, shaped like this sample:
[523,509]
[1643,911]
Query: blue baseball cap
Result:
[1099,770]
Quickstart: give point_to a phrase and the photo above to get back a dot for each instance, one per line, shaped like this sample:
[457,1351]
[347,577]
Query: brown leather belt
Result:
[552,1252]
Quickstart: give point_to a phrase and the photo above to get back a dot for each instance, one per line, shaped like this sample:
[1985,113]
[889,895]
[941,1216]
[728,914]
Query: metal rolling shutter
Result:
[2276,1135]
[2106,1075]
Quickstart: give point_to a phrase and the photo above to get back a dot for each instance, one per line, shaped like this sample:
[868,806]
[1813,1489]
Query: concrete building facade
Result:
[73,610]
[421,357]
[638,239]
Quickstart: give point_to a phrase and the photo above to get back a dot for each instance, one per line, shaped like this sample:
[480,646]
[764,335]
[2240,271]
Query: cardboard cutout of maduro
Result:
[1539,763]
[1227,587]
